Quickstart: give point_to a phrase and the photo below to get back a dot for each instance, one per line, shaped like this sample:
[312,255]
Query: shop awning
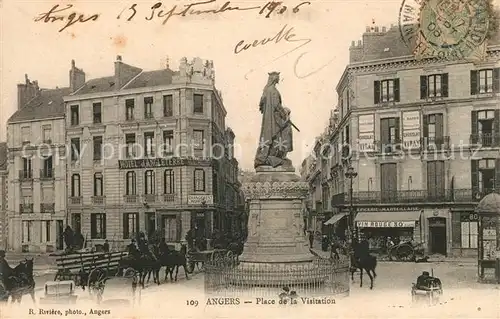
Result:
[335,218]
[399,219]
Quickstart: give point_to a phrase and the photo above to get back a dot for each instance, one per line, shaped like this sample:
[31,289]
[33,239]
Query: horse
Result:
[173,259]
[142,264]
[362,260]
[21,281]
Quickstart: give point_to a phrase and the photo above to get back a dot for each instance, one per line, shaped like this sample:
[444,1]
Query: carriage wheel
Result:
[405,252]
[96,287]
[229,254]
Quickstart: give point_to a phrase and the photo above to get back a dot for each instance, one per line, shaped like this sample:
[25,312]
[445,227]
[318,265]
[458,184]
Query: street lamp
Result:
[351,174]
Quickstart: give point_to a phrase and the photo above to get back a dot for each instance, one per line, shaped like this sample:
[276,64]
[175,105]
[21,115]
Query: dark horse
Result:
[21,281]
[141,263]
[171,259]
[362,260]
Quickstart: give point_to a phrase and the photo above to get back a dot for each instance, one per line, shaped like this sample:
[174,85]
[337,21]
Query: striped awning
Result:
[335,218]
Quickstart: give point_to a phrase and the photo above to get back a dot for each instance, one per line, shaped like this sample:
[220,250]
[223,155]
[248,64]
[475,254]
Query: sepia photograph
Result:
[250,159]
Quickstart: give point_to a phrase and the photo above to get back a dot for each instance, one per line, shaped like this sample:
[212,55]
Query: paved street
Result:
[463,296]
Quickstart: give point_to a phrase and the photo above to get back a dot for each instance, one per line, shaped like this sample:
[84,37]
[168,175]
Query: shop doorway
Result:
[437,235]
[150,223]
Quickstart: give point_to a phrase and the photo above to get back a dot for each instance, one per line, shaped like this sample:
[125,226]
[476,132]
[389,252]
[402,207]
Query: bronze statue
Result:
[276,130]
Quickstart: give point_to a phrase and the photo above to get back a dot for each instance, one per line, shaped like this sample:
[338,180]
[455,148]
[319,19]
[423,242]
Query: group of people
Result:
[73,240]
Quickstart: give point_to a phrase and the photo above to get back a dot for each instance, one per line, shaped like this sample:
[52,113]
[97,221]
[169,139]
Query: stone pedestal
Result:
[275,225]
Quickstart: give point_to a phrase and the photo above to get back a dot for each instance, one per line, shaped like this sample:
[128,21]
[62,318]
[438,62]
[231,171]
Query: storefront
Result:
[436,224]
[337,225]
[378,225]
[464,232]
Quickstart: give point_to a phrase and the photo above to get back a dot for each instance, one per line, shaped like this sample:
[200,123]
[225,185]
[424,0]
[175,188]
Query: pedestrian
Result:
[106,246]
[324,243]
[311,239]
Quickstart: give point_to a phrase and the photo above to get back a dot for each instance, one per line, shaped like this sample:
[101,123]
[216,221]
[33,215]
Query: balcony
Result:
[436,143]
[26,208]
[410,196]
[388,147]
[149,198]
[75,200]
[130,199]
[25,175]
[98,200]
[46,174]
[47,208]
[168,197]
[485,139]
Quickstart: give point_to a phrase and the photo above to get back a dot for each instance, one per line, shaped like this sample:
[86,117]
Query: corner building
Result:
[425,139]
[141,156]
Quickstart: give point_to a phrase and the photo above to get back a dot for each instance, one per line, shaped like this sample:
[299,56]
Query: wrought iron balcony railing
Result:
[47,174]
[75,200]
[98,200]
[26,208]
[388,147]
[485,139]
[25,175]
[149,198]
[168,197]
[411,196]
[130,199]
[436,143]
[47,207]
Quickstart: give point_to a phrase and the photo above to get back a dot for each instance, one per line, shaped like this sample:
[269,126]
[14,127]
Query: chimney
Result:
[359,43]
[26,92]
[76,77]
[376,29]
[353,44]
[367,29]
[384,29]
[124,72]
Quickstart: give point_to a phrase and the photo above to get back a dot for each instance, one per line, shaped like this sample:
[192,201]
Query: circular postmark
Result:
[446,29]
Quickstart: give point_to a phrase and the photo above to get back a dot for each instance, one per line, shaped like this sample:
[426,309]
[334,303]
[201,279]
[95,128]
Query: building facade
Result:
[3,196]
[36,206]
[150,150]
[424,140]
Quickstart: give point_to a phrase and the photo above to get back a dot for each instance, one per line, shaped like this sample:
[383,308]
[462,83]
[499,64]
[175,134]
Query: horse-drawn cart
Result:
[405,251]
[431,294]
[58,292]
[89,269]
[195,258]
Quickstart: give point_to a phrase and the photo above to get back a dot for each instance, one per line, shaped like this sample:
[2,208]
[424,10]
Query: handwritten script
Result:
[160,12]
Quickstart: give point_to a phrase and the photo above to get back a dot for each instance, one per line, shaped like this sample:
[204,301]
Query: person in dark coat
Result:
[106,246]
[311,239]
[68,235]
[5,270]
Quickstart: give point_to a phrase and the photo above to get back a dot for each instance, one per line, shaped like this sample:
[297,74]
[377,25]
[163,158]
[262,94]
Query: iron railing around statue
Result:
[323,277]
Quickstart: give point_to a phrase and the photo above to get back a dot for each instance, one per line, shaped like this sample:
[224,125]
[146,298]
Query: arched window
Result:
[199,180]
[168,182]
[149,182]
[130,183]
[75,185]
[98,184]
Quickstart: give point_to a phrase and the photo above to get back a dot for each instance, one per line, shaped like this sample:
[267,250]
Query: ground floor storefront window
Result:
[378,238]
[465,233]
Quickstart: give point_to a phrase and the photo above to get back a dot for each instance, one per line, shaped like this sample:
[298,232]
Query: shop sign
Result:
[200,215]
[162,162]
[200,199]
[387,209]
[385,224]
[411,129]
[366,133]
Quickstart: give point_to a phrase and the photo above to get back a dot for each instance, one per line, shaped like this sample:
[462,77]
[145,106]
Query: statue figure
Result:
[276,129]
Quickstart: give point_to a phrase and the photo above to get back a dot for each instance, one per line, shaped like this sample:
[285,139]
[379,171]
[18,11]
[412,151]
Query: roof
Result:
[48,104]
[99,85]
[151,78]
[3,156]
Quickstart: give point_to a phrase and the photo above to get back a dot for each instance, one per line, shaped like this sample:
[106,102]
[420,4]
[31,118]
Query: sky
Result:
[41,51]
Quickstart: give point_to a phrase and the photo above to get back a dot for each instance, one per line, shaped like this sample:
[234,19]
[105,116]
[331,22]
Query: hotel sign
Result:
[386,224]
[162,162]
[200,199]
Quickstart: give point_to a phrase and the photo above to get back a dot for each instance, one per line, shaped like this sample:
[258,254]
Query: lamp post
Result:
[351,174]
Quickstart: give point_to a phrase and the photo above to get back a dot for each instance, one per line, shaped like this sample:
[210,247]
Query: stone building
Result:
[150,151]
[36,209]
[424,137]
[3,196]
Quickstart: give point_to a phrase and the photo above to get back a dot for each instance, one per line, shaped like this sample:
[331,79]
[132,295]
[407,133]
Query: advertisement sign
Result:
[366,133]
[199,199]
[411,129]
[386,224]
[162,162]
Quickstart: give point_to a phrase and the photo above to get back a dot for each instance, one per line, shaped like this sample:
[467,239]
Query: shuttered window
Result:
[130,225]
[435,180]
[386,91]
[484,81]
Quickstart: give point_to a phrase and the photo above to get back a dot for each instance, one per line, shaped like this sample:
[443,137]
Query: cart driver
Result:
[5,270]
[424,281]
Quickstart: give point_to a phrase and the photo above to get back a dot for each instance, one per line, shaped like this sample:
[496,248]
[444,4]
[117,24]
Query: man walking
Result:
[311,239]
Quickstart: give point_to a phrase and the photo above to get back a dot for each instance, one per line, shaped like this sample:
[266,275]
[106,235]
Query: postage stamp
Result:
[446,29]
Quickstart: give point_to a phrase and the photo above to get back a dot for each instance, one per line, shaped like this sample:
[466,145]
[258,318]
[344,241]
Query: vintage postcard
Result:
[250,158]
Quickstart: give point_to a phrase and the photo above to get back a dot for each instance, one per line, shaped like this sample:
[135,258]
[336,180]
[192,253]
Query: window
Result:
[75,149]
[97,113]
[199,180]
[149,144]
[97,148]
[27,231]
[433,130]
[486,175]
[97,226]
[98,184]
[346,135]
[388,182]
[76,222]
[75,185]
[130,183]
[435,85]
[75,115]
[435,180]
[130,225]
[386,91]
[149,182]
[171,228]
[198,140]
[26,134]
[198,103]
[484,81]
[168,105]
[48,225]
[389,133]
[168,181]
[148,107]
[27,168]
[469,233]
[46,134]
[47,167]
[130,141]
[483,127]
[129,109]
[168,142]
